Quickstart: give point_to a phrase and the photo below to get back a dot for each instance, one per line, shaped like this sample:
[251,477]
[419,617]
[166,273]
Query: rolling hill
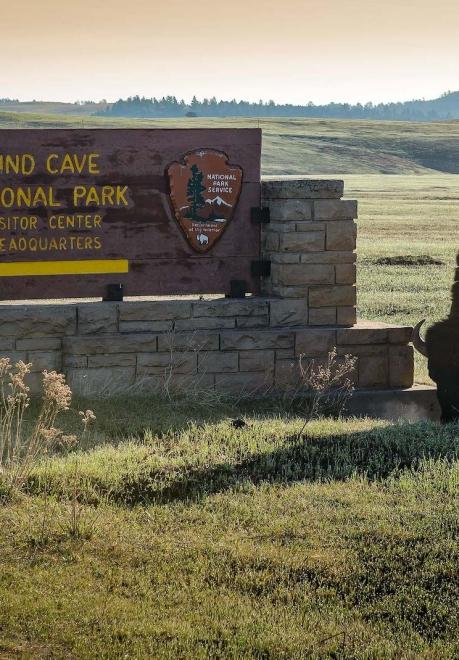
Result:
[307,146]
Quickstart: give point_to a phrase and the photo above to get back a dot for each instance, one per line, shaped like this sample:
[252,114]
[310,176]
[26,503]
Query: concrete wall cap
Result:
[286,187]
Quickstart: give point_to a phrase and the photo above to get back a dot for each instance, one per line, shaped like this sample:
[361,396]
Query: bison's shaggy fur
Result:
[442,350]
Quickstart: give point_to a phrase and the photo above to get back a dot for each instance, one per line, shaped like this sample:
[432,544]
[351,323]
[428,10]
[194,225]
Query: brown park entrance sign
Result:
[158,211]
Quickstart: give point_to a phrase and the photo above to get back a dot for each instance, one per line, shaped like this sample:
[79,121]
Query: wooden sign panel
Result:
[159,211]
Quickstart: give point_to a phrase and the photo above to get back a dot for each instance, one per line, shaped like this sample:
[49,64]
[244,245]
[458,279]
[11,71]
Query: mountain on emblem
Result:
[218,201]
[205,191]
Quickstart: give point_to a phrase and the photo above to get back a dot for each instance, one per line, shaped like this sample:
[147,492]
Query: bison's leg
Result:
[448,398]
[447,381]
[448,409]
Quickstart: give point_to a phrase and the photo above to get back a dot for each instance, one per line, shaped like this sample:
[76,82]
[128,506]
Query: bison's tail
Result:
[418,342]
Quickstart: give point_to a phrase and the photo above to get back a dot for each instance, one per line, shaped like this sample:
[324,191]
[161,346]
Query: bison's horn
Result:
[418,342]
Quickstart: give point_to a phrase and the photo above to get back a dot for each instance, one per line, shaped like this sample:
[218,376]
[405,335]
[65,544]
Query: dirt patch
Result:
[409,260]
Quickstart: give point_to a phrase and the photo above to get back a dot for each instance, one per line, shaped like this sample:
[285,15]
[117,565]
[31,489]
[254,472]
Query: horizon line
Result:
[5,100]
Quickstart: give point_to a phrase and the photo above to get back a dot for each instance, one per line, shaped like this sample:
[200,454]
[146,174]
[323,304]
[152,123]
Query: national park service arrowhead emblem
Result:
[205,191]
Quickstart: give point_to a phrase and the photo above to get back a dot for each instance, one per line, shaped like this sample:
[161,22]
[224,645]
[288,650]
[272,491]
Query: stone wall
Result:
[248,345]
[240,346]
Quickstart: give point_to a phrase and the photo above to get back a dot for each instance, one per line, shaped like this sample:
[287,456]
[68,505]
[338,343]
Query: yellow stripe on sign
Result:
[83,267]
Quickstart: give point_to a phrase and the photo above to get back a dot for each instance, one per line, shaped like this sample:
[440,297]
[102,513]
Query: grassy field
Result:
[307,146]
[187,538]
[52,108]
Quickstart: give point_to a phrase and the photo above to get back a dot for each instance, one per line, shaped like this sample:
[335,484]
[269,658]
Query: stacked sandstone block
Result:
[245,346]
[310,243]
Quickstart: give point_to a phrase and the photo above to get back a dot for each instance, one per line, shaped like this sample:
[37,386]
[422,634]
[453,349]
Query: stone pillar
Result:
[311,242]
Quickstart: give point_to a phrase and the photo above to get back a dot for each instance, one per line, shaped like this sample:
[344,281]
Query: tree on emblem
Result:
[194,192]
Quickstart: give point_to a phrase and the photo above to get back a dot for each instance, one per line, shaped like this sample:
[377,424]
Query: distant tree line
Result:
[445,107]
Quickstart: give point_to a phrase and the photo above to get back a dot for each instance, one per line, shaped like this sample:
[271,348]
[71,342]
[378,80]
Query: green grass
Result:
[207,541]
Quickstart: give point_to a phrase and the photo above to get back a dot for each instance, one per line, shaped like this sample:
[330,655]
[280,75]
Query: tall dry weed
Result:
[328,383]
[21,444]
[326,386]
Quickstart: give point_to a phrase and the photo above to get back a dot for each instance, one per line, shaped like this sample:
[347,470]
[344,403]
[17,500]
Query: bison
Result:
[441,348]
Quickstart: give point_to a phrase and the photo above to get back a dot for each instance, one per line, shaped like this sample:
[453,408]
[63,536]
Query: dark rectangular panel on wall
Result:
[158,211]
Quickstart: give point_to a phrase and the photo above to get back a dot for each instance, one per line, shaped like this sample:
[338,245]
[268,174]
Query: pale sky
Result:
[287,50]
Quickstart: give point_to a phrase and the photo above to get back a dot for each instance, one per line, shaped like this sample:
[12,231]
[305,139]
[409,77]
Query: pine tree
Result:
[194,192]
